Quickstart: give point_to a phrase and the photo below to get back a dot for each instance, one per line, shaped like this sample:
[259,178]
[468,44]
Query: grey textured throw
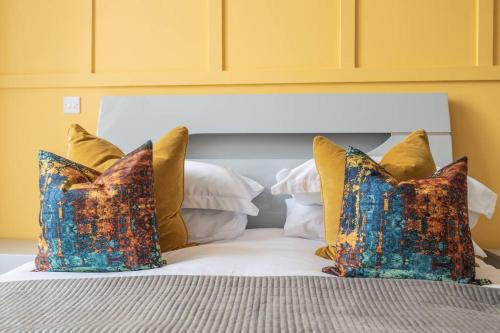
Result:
[246,304]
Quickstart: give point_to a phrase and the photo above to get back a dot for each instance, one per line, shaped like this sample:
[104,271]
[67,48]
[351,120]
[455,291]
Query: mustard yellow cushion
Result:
[409,159]
[168,165]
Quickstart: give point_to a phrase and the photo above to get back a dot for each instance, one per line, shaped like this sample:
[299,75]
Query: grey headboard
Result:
[257,135]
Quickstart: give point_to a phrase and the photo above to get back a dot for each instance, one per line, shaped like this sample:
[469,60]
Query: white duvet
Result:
[259,252]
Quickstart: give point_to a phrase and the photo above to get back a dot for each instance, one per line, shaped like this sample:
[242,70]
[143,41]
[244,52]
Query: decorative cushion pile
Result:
[168,164]
[411,229]
[93,222]
[409,159]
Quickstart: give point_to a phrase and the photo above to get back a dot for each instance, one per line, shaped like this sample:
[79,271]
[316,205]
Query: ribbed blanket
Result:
[246,304]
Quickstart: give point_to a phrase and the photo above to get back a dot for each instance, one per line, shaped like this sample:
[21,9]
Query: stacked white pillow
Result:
[217,202]
[305,221]
[303,184]
[206,225]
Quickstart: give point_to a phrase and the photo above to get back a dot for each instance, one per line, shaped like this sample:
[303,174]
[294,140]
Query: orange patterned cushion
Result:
[94,222]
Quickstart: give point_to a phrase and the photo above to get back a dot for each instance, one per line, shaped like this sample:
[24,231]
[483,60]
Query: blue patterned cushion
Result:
[94,222]
[412,229]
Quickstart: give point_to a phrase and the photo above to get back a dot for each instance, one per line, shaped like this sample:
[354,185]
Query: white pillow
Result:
[209,186]
[302,179]
[208,225]
[311,198]
[304,221]
[480,199]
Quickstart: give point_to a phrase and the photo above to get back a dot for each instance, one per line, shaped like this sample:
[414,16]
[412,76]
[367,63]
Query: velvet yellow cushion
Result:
[409,159]
[168,165]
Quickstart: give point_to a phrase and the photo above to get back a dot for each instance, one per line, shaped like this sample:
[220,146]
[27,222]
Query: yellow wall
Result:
[90,48]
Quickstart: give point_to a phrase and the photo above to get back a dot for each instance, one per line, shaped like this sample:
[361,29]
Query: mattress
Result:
[258,252]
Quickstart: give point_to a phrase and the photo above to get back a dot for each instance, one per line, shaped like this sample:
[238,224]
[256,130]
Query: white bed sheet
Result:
[258,252]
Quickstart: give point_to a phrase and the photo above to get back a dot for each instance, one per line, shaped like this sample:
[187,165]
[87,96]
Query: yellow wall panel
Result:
[415,33]
[156,35]
[43,36]
[496,34]
[281,34]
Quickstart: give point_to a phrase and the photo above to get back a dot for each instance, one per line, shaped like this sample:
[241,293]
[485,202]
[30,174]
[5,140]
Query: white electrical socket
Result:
[71,104]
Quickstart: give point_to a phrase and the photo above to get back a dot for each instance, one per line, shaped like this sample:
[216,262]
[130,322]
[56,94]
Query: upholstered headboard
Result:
[257,135]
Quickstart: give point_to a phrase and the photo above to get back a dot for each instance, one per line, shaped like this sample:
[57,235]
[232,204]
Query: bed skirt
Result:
[246,304]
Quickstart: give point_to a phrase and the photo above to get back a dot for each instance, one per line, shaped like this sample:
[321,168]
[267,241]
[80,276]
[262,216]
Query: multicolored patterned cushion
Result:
[413,229]
[168,165]
[409,159]
[94,222]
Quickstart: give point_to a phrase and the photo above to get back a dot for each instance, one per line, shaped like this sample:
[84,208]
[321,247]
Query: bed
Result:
[261,281]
